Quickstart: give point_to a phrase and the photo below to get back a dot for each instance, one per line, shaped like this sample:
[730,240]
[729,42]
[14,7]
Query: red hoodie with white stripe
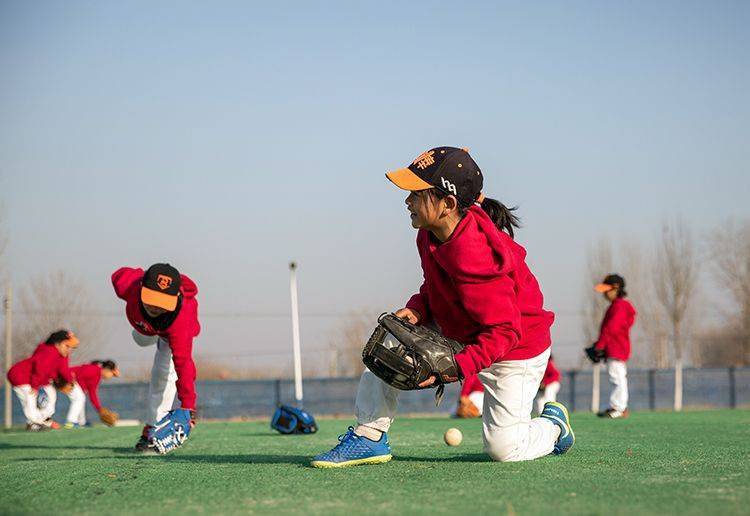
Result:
[179,335]
[480,292]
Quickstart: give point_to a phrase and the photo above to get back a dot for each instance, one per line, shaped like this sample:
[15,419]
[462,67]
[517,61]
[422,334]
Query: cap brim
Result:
[72,341]
[603,287]
[154,298]
[408,180]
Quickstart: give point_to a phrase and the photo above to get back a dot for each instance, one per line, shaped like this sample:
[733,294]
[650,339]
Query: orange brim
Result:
[408,180]
[72,341]
[154,298]
[603,287]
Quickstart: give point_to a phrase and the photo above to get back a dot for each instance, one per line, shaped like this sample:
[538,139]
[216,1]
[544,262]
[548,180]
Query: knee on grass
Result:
[501,448]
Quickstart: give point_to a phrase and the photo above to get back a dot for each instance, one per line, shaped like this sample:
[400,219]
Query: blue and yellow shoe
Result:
[353,450]
[558,414]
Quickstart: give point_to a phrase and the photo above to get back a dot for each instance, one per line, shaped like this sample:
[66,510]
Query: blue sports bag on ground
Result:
[291,420]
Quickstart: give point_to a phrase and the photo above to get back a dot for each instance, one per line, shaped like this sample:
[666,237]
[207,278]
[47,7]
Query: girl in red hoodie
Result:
[87,378]
[161,305]
[31,376]
[614,342]
[479,291]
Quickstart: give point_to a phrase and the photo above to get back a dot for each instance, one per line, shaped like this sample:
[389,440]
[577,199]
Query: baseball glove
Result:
[466,408]
[593,354]
[108,417]
[404,355]
[172,430]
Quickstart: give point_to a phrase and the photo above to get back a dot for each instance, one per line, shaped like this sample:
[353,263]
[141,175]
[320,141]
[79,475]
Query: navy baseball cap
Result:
[448,169]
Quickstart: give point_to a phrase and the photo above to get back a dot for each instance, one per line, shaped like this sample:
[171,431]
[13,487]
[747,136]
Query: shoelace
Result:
[343,437]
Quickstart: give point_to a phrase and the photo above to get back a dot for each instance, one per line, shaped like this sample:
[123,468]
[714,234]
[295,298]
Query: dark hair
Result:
[502,216]
[621,292]
[57,337]
[105,364]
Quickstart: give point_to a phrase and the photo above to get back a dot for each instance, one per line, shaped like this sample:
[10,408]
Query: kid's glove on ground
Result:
[404,355]
[108,417]
[171,431]
[466,408]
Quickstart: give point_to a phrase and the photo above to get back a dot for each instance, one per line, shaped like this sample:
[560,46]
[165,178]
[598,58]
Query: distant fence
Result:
[650,389]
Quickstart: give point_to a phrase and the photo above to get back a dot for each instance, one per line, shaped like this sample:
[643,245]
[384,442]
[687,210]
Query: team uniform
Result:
[87,378]
[31,376]
[173,373]
[614,341]
[550,386]
[479,292]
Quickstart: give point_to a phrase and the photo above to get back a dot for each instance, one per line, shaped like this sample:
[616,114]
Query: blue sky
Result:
[231,137]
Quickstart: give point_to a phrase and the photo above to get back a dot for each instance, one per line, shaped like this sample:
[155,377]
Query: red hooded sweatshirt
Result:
[88,377]
[180,334]
[43,366]
[479,290]
[551,374]
[614,336]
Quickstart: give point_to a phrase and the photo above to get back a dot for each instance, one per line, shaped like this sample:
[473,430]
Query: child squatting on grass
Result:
[479,291]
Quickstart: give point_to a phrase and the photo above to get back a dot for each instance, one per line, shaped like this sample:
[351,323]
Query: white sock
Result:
[368,432]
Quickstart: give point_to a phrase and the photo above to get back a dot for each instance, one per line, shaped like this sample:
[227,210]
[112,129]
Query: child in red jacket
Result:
[549,387]
[614,342]
[31,379]
[479,291]
[161,306]
[87,378]
[471,398]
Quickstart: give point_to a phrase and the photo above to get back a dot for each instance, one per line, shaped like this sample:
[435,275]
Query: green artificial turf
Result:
[652,463]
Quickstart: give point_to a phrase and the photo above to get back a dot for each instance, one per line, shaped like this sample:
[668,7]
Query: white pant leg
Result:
[144,340]
[509,433]
[77,410]
[27,396]
[162,390]
[548,394]
[618,372]
[376,402]
[49,409]
[477,398]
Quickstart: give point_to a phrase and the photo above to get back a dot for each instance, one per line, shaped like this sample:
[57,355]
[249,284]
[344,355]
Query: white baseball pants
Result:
[509,432]
[162,390]
[548,394]
[28,398]
[618,377]
[77,409]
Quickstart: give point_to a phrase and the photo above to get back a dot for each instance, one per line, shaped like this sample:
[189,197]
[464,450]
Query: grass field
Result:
[652,463]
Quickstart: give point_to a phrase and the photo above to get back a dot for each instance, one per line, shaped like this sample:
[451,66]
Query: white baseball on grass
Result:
[453,437]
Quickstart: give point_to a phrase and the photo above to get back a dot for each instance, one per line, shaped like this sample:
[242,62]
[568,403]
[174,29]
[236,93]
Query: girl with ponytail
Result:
[479,291]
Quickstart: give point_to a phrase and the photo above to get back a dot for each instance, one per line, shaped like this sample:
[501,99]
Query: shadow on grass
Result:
[469,457]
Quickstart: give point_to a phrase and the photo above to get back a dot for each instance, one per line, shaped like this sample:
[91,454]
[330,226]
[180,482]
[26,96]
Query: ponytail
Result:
[105,364]
[501,215]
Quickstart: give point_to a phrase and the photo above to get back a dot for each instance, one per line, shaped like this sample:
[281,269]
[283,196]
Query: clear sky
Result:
[230,137]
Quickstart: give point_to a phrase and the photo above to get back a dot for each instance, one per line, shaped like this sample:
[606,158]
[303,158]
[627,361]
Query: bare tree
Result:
[730,253]
[650,332]
[51,302]
[347,342]
[675,280]
[599,263]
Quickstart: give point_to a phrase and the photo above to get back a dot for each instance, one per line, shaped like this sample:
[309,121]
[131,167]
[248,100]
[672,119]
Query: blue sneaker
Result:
[353,450]
[558,414]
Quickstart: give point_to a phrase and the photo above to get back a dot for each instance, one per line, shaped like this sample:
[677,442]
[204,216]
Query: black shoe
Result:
[144,446]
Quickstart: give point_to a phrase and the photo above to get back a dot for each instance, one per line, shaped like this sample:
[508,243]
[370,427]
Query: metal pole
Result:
[732,388]
[8,357]
[295,334]
[572,390]
[595,378]
[652,389]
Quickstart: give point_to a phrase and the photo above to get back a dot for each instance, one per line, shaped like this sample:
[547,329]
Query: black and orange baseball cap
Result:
[448,169]
[161,286]
[612,281]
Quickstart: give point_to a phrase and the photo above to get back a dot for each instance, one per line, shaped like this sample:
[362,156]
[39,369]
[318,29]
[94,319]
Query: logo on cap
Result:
[448,185]
[424,160]
[163,281]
